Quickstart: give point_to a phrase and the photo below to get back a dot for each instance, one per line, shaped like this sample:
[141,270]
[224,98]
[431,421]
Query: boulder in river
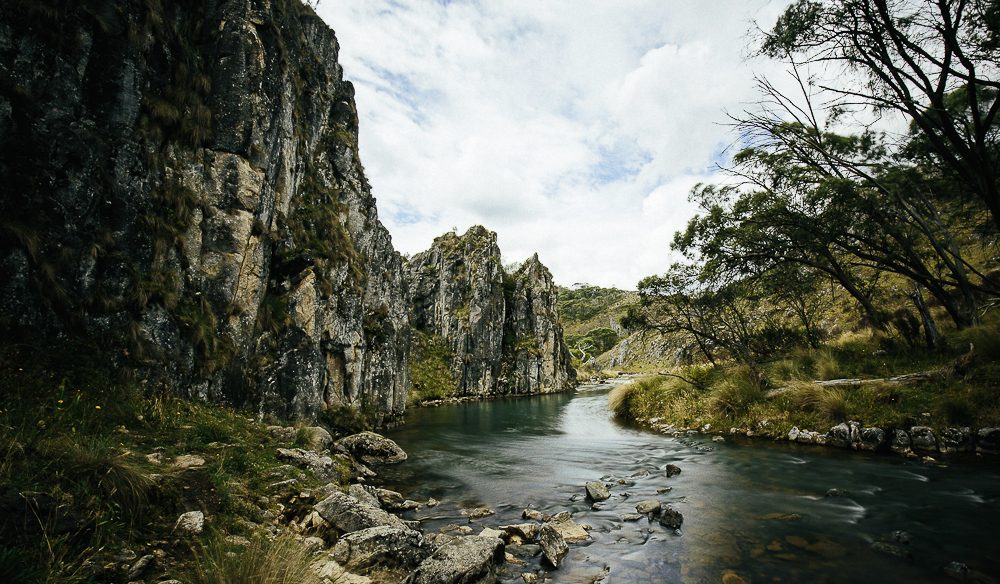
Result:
[672,470]
[670,517]
[648,506]
[347,514]
[463,560]
[372,448]
[597,491]
[381,547]
[553,544]
[535,515]
[364,494]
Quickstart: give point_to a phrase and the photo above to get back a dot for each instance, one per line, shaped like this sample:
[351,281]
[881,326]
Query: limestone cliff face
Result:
[183,190]
[501,331]
[540,361]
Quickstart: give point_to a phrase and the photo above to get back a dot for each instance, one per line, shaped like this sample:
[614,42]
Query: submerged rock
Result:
[672,470]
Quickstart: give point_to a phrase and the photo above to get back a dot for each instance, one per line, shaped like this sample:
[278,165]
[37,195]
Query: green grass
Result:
[77,441]
[277,561]
[728,396]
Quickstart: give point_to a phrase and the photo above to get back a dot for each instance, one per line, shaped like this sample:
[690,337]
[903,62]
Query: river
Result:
[757,510]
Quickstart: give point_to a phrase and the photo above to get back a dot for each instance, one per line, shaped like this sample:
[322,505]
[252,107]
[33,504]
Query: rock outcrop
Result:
[489,332]
[183,191]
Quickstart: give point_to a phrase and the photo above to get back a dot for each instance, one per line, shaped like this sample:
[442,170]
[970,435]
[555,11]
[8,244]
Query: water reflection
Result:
[759,512]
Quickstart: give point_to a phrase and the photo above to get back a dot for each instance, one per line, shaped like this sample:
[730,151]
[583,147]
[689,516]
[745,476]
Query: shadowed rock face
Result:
[502,329]
[183,189]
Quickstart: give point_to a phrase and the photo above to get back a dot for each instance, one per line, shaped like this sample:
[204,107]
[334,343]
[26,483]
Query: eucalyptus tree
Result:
[936,62]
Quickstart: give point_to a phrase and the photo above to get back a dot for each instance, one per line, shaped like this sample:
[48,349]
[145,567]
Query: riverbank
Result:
[859,391]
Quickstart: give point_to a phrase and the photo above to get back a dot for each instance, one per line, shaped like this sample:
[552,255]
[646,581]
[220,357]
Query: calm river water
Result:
[756,510]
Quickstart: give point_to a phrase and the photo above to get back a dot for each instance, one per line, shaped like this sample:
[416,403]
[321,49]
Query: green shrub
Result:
[430,368]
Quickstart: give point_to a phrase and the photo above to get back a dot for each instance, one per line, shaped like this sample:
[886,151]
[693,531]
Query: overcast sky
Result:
[572,128]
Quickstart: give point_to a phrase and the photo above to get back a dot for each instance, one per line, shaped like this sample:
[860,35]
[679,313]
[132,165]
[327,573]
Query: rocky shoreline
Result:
[852,435]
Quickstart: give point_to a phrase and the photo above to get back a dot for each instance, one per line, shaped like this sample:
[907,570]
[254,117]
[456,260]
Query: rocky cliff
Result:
[183,193]
[480,330]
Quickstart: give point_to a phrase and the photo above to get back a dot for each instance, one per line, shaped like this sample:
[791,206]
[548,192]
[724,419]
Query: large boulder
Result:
[372,448]
[553,544]
[347,514]
[463,560]
[381,547]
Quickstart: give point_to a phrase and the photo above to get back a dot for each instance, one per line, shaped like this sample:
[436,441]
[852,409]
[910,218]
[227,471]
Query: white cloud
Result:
[572,129]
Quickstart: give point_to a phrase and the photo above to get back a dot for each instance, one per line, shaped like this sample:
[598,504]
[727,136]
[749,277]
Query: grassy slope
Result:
[78,487]
[730,396]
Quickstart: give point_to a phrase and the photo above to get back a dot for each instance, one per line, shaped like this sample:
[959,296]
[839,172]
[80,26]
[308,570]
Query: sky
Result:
[574,129]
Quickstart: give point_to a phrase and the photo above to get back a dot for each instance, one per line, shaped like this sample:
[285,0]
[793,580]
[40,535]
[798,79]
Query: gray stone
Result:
[534,515]
[672,470]
[464,560]
[363,493]
[381,547]
[525,531]
[321,466]
[348,514]
[648,506]
[372,448]
[630,517]
[318,438]
[597,491]
[670,517]
[140,566]
[553,544]
[900,442]
[871,439]
[190,523]
[956,440]
[832,493]
[988,441]
[570,530]
[490,532]
[922,438]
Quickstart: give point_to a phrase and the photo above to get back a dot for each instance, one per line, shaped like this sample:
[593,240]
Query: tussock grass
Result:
[737,392]
[279,561]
